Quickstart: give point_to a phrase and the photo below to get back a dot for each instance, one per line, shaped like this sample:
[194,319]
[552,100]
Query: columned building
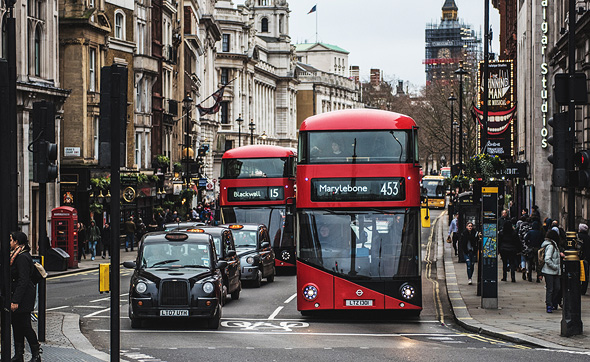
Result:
[37,79]
[542,54]
[257,61]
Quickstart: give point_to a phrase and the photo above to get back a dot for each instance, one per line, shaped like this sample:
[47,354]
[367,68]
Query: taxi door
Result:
[233,262]
[267,259]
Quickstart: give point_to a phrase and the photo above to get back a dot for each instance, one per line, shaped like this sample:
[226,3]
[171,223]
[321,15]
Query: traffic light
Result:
[203,150]
[559,141]
[582,161]
[43,145]
[113,112]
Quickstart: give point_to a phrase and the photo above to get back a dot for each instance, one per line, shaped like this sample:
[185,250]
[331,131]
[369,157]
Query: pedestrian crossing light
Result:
[582,161]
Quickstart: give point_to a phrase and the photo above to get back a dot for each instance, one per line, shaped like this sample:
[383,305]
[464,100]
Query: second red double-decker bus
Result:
[358,212]
[256,184]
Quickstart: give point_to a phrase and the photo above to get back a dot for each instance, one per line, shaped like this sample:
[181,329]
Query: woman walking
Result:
[551,270]
[468,245]
[93,238]
[509,246]
[22,297]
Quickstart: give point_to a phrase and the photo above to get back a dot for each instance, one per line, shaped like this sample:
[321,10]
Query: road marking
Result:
[97,312]
[106,298]
[290,298]
[56,308]
[275,313]
[89,306]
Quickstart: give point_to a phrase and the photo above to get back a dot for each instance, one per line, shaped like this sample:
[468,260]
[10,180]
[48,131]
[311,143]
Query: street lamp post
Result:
[461,72]
[252,127]
[239,121]
[452,99]
[187,109]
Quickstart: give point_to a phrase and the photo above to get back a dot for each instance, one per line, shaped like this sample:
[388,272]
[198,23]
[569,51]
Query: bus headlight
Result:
[208,287]
[141,287]
[407,291]
[310,292]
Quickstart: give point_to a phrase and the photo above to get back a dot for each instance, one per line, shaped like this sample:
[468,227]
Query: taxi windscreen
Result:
[176,254]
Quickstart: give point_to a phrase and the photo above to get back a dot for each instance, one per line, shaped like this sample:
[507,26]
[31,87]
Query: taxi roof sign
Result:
[176,236]
[236,227]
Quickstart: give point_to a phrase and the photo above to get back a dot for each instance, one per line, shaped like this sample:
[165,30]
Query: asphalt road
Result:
[264,324]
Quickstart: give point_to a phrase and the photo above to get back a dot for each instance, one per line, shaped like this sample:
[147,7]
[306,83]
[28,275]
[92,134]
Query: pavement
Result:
[521,316]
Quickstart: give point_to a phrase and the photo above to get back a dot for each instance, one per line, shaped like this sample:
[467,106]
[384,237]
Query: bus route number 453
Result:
[390,188]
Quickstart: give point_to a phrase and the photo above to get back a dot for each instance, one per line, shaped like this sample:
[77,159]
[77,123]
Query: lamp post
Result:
[263,136]
[461,72]
[252,127]
[239,121]
[452,99]
[187,109]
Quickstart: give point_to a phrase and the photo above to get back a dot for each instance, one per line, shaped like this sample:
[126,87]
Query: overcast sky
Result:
[384,34]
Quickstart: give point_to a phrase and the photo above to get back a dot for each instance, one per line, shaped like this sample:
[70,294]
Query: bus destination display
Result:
[358,189]
[264,193]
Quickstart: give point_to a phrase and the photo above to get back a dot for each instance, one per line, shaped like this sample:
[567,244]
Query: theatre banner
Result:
[501,108]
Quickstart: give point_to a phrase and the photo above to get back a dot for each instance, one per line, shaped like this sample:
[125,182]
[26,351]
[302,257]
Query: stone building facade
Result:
[38,79]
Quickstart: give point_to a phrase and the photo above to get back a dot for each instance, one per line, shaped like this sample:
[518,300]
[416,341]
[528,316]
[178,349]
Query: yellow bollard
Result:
[582,271]
[425,216]
[104,277]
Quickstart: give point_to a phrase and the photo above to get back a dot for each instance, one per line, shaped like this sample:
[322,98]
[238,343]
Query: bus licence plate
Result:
[174,313]
[359,302]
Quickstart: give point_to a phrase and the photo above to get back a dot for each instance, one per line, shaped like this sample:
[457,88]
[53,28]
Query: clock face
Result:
[444,53]
[129,194]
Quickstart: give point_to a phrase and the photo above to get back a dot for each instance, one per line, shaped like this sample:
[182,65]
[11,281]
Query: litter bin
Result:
[56,260]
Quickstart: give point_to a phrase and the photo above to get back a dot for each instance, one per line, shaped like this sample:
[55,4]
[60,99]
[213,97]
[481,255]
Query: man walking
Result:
[130,233]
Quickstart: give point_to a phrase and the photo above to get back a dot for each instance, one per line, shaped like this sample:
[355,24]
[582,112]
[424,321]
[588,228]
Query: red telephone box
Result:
[64,232]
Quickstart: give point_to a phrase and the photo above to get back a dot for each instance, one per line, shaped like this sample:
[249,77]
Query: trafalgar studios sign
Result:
[501,108]
[544,70]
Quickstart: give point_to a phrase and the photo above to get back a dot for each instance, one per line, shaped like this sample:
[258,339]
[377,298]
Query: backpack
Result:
[38,274]
[541,255]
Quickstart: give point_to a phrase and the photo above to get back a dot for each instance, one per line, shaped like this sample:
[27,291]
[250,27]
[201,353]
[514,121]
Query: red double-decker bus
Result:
[358,212]
[256,184]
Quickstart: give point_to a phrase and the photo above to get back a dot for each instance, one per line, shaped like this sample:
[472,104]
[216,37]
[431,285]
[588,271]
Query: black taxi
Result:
[257,258]
[176,275]
[226,250]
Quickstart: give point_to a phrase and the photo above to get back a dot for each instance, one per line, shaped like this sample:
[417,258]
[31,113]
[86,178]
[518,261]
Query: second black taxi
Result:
[176,275]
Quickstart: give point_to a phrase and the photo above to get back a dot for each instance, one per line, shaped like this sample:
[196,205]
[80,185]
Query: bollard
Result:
[571,322]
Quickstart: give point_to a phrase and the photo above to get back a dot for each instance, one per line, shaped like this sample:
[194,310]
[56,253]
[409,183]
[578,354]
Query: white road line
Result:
[56,308]
[290,298]
[107,298]
[89,306]
[97,312]
[290,333]
[274,314]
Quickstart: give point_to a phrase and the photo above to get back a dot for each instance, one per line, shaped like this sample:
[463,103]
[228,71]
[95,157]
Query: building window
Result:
[95,132]
[138,93]
[92,70]
[146,143]
[37,55]
[140,38]
[223,113]
[264,25]
[262,2]
[224,75]
[225,43]
[138,149]
[119,25]
[4,37]
[91,5]
[229,144]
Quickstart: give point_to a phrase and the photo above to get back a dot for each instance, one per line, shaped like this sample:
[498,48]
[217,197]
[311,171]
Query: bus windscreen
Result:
[239,168]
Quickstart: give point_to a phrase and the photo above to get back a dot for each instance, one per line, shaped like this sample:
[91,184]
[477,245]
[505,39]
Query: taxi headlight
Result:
[407,291]
[141,287]
[208,287]
[250,260]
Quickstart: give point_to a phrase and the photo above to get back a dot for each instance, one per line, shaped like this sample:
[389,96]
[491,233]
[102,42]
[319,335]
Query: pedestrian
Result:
[469,245]
[503,218]
[106,240]
[509,246]
[22,300]
[129,233]
[454,232]
[532,243]
[81,241]
[141,229]
[93,238]
[523,229]
[551,270]
[535,214]
[168,217]
[584,244]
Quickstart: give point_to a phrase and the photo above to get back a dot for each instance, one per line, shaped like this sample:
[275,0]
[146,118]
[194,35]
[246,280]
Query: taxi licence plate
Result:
[174,313]
[359,302]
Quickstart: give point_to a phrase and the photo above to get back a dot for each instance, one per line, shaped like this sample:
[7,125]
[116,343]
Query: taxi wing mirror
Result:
[265,245]
[222,264]
[231,253]
[130,265]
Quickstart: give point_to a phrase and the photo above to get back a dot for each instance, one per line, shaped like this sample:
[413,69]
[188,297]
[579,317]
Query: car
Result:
[257,258]
[176,275]
[182,225]
[226,250]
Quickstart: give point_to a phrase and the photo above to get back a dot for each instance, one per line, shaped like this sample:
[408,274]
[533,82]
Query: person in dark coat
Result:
[106,240]
[468,246]
[509,246]
[22,300]
[585,251]
[81,241]
[532,243]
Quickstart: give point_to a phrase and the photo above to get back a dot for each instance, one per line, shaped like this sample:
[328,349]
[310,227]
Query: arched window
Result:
[264,25]
[119,25]
[4,39]
[37,52]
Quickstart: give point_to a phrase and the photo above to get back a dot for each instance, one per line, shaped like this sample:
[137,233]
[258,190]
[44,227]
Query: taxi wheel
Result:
[258,280]
[236,294]
[224,295]
[271,278]
[215,321]
[136,323]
